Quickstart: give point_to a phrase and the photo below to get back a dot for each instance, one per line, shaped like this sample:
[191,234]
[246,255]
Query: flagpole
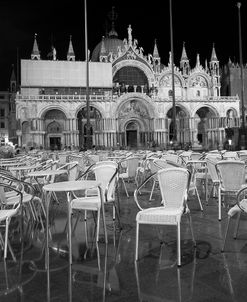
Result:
[242,78]
[88,134]
[174,139]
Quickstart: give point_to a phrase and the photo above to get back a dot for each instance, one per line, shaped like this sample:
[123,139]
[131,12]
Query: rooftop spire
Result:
[103,53]
[113,17]
[213,55]
[13,77]
[184,62]
[184,54]
[35,53]
[70,53]
[155,52]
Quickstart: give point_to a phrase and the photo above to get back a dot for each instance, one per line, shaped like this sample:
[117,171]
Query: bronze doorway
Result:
[131,135]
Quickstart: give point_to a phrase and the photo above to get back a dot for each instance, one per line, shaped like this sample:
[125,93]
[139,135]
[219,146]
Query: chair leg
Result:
[199,199]
[116,212]
[7,243]
[219,204]
[85,227]
[227,227]
[178,245]
[104,223]
[137,241]
[117,194]
[179,285]
[191,229]
[98,222]
[6,238]
[236,226]
[125,187]
[11,251]
[151,194]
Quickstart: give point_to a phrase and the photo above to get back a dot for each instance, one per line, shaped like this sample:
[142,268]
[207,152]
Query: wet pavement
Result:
[108,272]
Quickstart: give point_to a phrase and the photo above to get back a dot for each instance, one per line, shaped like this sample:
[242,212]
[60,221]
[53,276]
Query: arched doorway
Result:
[182,125]
[206,128]
[54,123]
[134,124]
[131,134]
[54,135]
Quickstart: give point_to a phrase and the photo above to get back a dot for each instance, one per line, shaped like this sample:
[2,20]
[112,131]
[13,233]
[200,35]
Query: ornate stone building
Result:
[130,95]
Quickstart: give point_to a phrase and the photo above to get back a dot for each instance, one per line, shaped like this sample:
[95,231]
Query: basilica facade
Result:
[130,95]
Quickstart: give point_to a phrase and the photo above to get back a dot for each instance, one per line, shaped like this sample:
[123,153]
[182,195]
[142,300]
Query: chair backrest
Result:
[94,158]
[173,184]
[62,157]
[195,155]
[172,157]
[214,156]
[211,165]
[243,157]
[230,155]
[73,170]
[107,176]
[107,162]
[231,174]
[132,165]
[185,156]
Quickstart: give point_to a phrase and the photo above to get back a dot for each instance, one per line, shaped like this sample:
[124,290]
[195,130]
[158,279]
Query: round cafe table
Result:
[21,170]
[37,175]
[68,187]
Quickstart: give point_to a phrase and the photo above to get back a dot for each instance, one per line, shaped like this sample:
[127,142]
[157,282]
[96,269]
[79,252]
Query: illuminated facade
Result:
[130,99]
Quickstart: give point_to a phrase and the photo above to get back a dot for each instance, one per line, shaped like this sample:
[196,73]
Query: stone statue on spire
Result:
[170,58]
[130,34]
[54,53]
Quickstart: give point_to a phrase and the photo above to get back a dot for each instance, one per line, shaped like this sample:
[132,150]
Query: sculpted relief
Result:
[166,81]
[198,82]
[133,108]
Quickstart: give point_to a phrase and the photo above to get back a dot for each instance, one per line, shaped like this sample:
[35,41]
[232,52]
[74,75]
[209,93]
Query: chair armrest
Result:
[83,174]
[4,201]
[109,183]
[139,188]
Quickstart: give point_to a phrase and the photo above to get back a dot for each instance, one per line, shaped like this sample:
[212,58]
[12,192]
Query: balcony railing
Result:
[109,96]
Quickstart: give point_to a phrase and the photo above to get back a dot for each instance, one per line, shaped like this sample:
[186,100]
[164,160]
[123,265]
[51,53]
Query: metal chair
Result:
[6,214]
[107,176]
[173,184]
[130,165]
[239,208]
[232,178]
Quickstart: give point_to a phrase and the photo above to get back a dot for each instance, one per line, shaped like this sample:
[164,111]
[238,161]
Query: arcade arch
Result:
[96,125]
[54,126]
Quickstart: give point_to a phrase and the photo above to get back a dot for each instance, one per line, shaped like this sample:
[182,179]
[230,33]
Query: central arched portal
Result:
[132,134]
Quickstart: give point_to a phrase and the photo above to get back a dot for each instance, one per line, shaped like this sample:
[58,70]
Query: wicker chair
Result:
[173,184]
[232,178]
[7,213]
[239,208]
[107,175]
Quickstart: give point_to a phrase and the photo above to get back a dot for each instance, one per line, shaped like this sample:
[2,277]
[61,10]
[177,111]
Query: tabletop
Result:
[41,173]
[23,168]
[73,185]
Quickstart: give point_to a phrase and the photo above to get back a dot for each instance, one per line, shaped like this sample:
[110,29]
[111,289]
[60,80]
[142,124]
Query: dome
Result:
[111,44]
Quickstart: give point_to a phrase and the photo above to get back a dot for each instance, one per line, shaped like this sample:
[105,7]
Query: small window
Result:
[2,112]
[170,93]
[198,93]
[2,125]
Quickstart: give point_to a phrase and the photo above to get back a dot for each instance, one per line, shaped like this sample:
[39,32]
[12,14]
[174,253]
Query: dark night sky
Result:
[198,23]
